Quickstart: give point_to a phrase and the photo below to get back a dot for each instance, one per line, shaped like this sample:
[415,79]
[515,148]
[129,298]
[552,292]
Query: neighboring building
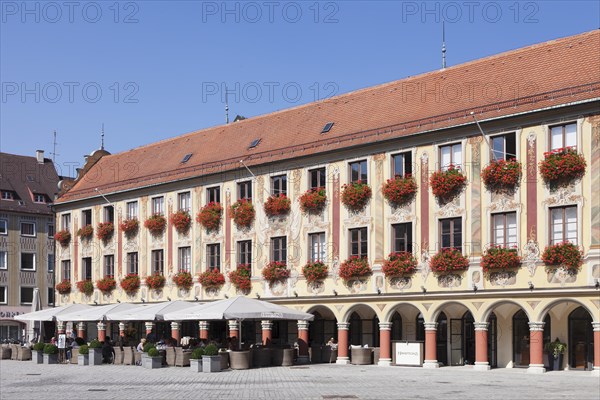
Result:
[28,186]
[529,101]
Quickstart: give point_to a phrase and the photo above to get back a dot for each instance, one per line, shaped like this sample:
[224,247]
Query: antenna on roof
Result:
[102,138]
[54,154]
[443,45]
[226,106]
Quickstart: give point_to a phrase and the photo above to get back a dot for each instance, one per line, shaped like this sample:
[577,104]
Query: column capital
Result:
[175,325]
[385,326]
[481,326]
[60,325]
[234,325]
[101,326]
[81,326]
[302,325]
[343,326]
[536,326]
[121,326]
[266,325]
[596,326]
[203,325]
[149,325]
[431,326]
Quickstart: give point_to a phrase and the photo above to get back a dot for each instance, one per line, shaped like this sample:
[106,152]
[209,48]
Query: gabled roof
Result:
[553,73]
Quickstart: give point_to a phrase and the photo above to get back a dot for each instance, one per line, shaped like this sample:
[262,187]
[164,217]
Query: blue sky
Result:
[150,70]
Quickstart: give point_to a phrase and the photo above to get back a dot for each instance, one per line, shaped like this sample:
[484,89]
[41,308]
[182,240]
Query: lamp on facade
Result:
[295,293]
[142,299]
[196,298]
[334,292]
[423,289]
[168,298]
[531,287]
[597,285]
[226,296]
[475,288]
[257,296]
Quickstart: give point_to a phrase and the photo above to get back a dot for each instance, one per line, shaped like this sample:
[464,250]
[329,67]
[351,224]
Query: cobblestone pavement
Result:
[26,380]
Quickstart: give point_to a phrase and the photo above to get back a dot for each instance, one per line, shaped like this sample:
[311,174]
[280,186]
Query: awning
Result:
[94,313]
[149,312]
[50,313]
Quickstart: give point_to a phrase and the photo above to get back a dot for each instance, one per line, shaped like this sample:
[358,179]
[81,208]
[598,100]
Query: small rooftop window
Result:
[30,178]
[186,158]
[327,127]
[254,143]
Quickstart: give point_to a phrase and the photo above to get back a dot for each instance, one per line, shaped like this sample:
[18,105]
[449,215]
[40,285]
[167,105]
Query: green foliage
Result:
[211,350]
[39,346]
[50,349]
[148,346]
[84,349]
[557,347]
[197,353]
[95,344]
[153,352]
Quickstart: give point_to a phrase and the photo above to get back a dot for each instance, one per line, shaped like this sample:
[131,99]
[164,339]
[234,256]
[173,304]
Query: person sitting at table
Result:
[108,351]
[140,346]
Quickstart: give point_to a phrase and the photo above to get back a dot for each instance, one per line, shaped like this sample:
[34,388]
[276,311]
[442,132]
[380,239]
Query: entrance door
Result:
[581,340]
[442,339]
[468,338]
[456,342]
[493,341]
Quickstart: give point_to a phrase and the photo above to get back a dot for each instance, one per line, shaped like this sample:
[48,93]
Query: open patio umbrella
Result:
[148,312]
[50,314]
[93,313]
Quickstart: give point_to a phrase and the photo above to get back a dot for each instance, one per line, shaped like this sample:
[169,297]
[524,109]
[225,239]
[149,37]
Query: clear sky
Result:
[150,70]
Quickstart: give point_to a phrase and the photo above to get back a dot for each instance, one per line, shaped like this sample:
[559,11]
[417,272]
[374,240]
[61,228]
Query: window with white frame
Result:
[50,230]
[3,260]
[401,164]
[7,195]
[279,185]
[451,154]
[318,247]
[279,249]
[132,210]
[3,227]
[184,201]
[213,256]
[244,252]
[563,136]
[158,205]
[39,198]
[26,295]
[563,225]
[86,217]
[504,229]
[86,268]
[50,263]
[50,297]
[28,261]
[109,266]
[317,178]
[358,172]
[244,190]
[158,262]
[451,233]
[503,147]
[359,245]
[3,295]
[109,214]
[65,221]
[213,194]
[132,263]
[185,259]
[66,269]
[28,229]
[402,237]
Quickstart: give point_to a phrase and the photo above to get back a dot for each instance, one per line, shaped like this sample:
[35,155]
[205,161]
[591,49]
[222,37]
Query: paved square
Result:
[26,380]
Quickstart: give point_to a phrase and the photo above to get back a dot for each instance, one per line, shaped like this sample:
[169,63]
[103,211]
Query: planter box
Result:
[196,365]
[555,363]
[211,363]
[239,359]
[50,358]
[152,362]
[95,356]
[83,359]
[37,356]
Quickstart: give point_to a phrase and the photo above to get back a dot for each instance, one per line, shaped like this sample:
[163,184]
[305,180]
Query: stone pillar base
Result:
[596,371]
[536,369]
[431,364]
[342,361]
[302,360]
[384,362]
[481,366]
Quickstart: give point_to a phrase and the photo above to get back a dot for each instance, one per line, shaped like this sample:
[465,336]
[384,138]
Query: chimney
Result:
[39,154]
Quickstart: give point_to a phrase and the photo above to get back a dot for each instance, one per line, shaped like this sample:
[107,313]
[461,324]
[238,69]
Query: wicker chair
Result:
[74,356]
[182,358]
[6,352]
[24,354]
[128,356]
[171,356]
[14,349]
[118,359]
[137,358]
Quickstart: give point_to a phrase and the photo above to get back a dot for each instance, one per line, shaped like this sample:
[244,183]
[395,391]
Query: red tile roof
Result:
[553,73]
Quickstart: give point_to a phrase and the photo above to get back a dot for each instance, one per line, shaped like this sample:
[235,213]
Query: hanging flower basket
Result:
[355,196]
[242,212]
[447,184]
[498,258]
[105,230]
[564,254]
[64,287]
[63,237]
[355,267]
[131,283]
[86,287]
[275,271]
[155,281]
[181,220]
[449,260]
[562,166]
[106,285]
[315,271]
[86,232]
[400,190]
[183,280]
[130,226]
[502,175]
[156,224]
[277,205]
[211,279]
[399,263]
[210,216]
[313,200]
[240,278]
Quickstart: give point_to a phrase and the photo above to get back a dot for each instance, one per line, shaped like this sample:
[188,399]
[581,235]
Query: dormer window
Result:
[39,198]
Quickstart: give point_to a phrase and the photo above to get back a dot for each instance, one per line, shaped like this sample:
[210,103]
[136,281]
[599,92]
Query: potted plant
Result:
[105,230]
[130,227]
[196,359]
[502,175]
[86,287]
[83,358]
[181,220]
[562,166]
[242,212]
[155,281]
[50,354]
[95,352]
[556,351]
[449,260]
[63,237]
[211,360]
[400,190]
[106,284]
[86,232]
[156,224]
[277,205]
[131,283]
[240,278]
[399,263]
[564,254]
[446,184]
[64,287]
[498,258]
[153,359]
[355,267]
[315,271]
[210,216]
[211,279]
[356,195]
[275,271]
[37,353]
[313,200]
[183,280]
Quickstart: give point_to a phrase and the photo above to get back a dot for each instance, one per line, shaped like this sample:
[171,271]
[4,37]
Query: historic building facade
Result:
[368,152]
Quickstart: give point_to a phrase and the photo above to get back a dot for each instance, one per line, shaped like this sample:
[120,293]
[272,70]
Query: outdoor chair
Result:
[13,351]
[316,354]
[376,351]
[74,356]
[24,353]
[224,359]
[137,358]
[6,352]
[118,359]
[128,355]
[182,358]
[171,355]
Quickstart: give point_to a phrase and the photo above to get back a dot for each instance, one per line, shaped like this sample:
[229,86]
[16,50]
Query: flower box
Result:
[50,354]
[502,175]
[131,283]
[211,363]
[107,284]
[562,166]
[498,258]
[156,224]
[155,281]
[400,190]
[130,227]
[83,359]
[449,260]
[211,279]
[196,365]
[64,287]
[105,230]
[240,278]
[315,271]
[399,264]
[210,216]
[275,271]
[181,220]
[86,287]
[63,237]
[277,205]
[95,352]
[86,232]
[313,200]
[447,184]
[563,254]
[355,267]
[153,360]
[37,356]
[183,280]
[355,196]
[243,213]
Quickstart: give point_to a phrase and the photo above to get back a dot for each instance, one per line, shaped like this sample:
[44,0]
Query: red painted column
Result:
[385,344]
[81,330]
[122,329]
[481,346]
[203,328]
[303,357]
[343,343]
[267,330]
[536,347]
[234,329]
[430,345]
[596,326]
[176,331]
[101,331]
[149,327]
